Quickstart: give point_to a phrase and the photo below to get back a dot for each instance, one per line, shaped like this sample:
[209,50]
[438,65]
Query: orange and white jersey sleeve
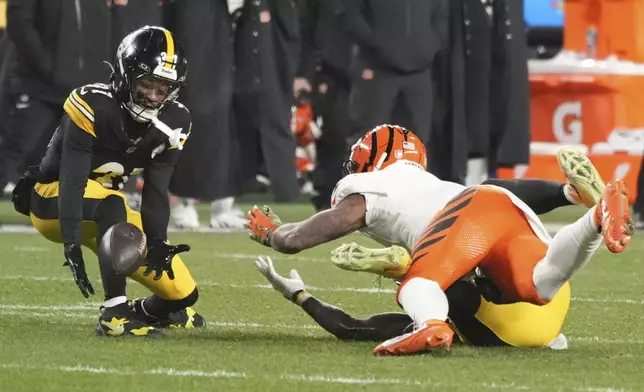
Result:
[400,201]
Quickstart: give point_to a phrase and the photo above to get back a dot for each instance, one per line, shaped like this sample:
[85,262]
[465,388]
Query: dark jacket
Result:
[400,35]
[267,48]
[510,110]
[60,45]
[136,14]
[204,30]
[324,42]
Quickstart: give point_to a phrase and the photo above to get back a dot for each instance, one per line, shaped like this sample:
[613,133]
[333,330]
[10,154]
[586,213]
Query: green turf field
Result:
[257,341]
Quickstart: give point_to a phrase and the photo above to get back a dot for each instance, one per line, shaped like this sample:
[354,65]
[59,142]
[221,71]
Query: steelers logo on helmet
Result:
[149,70]
[384,145]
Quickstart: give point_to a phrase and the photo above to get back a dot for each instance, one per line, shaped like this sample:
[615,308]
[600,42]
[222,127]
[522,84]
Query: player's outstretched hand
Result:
[159,258]
[261,223]
[289,287]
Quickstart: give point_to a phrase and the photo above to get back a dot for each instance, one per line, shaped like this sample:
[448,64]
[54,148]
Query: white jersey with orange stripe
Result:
[401,200]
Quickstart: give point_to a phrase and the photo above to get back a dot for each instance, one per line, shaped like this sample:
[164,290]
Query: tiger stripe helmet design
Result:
[384,145]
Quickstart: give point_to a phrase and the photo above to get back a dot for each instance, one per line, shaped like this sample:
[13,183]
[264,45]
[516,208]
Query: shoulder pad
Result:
[344,188]
[362,183]
[82,104]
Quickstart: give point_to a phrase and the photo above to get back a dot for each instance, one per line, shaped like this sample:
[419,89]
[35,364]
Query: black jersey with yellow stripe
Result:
[121,146]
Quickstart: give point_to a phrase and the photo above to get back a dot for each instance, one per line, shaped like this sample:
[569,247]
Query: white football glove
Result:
[288,287]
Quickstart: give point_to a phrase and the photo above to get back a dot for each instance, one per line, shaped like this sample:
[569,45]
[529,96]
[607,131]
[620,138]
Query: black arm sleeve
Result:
[155,208]
[22,31]
[336,321]
[75,165]
[464,301]
[540,195]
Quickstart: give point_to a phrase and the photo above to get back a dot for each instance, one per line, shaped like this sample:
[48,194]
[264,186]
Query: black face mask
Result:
[350,167]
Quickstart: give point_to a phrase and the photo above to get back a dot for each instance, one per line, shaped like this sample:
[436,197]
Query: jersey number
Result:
[112,175]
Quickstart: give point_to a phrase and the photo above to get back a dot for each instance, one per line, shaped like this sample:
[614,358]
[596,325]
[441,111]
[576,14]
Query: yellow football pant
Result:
[526,325]
[44,217]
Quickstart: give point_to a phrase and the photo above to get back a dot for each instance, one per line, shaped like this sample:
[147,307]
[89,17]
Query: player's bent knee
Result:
[179,304]
[111,206]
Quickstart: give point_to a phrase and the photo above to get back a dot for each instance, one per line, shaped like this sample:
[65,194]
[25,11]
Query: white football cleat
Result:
[228,220]
[185,216]
[223,215]
[8,188]
[559,343]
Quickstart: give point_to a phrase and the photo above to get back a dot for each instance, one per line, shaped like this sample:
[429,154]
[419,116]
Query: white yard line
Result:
[214,255]
[301,378]
[122,372]
[27,229]
[362,290]
[91,313]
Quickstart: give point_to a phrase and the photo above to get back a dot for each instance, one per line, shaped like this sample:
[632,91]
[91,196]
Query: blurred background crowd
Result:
[279,90]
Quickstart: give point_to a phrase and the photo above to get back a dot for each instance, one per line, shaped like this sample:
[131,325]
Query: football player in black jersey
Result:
[110,132]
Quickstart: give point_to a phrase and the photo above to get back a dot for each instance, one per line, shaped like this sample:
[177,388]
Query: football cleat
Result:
[613,216]
[639,221]
[224,215]
[185,216]
[228,220]
[581,175]
[186,318]
[120,320]
[391,262]
[431,336]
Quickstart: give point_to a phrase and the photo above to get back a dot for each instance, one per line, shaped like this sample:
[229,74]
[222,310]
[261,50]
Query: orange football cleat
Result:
[433,335]
[613,216]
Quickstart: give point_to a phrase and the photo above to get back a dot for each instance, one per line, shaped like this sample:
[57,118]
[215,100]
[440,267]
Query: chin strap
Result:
[175,137]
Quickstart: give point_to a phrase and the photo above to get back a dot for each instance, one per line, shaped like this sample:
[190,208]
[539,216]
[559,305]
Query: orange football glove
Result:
[261,224]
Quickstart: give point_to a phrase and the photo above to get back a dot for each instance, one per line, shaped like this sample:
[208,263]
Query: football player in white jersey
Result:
[486,227]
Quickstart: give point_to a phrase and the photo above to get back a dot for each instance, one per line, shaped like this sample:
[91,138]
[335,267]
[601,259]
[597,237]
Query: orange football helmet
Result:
[384,145]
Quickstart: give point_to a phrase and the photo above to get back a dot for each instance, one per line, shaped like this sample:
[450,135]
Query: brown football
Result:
[123,247]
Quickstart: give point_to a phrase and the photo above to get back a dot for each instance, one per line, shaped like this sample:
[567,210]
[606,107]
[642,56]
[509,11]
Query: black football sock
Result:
[158,307]
[540,195]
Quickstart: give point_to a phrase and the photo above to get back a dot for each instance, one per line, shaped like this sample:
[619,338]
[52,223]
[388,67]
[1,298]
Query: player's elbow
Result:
[343,333]
[291,244]
[288,242]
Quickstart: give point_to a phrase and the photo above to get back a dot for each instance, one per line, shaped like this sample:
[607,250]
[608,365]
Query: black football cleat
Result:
[186,318]
[120,320]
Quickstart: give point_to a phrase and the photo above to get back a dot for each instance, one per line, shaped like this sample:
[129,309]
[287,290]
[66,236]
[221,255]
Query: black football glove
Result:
[159,258]
[74,259]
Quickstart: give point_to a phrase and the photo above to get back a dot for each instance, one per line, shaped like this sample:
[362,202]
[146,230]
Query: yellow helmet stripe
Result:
[170,49]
